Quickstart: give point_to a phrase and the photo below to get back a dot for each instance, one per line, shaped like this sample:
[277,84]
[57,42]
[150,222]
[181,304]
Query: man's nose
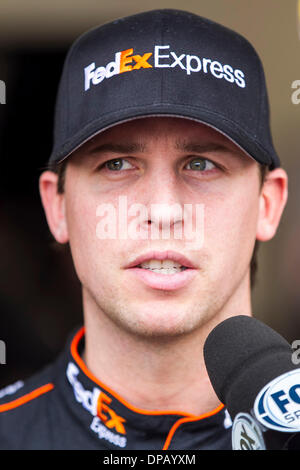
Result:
[164,203]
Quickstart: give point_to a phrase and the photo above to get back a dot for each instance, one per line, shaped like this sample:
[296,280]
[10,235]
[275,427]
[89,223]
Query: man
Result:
[161,122]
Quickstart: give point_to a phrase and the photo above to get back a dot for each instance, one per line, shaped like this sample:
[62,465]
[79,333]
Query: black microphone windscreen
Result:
[242,355]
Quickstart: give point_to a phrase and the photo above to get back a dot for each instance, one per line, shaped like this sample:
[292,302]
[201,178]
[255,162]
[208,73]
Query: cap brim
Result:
[229,129]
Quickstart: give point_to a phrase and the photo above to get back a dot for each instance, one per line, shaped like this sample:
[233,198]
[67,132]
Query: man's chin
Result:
[162,326]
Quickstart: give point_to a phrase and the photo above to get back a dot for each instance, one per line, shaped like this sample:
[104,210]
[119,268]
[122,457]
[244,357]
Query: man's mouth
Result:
[163,270]
[165,266]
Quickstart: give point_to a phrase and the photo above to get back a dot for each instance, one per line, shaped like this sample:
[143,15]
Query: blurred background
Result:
[40,301]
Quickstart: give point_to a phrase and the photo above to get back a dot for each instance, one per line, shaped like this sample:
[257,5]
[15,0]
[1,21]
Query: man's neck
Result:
[152,373]
[161,374]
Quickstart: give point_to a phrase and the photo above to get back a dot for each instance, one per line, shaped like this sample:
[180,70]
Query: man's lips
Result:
[161,255]
[164,282]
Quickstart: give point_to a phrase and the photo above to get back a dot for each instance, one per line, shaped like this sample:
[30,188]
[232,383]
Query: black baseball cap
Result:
[163,63]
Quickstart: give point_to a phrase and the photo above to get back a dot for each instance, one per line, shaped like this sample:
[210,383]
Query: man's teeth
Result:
[165,266]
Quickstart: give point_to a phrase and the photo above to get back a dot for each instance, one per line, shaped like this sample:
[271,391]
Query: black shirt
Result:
[65,407]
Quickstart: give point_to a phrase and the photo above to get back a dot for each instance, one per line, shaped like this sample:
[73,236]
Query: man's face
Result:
[163,161]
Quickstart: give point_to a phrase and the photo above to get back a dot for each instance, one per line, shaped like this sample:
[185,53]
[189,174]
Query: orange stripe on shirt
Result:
[189,420]
[26,398]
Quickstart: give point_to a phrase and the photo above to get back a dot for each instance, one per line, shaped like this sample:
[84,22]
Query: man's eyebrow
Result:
[118,148]
[204,147]
[185,146]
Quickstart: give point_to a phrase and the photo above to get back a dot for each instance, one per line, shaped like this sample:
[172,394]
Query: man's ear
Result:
[54,206]
[273,198]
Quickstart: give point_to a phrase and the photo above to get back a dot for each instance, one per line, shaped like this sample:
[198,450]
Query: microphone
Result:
[251,370]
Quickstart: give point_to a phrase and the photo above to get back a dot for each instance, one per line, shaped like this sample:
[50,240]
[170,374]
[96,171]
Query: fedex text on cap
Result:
[127,61]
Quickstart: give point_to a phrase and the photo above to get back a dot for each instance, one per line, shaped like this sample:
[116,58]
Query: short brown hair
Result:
[253,264]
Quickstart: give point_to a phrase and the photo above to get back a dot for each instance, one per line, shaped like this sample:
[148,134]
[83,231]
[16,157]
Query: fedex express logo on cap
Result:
[127,61]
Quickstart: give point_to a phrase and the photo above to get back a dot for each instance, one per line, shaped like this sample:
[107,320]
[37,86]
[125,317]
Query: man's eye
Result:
[117,164]
[200,164]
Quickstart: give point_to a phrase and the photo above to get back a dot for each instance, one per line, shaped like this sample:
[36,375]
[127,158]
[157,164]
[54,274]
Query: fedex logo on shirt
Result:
[96,402]
[161,57]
